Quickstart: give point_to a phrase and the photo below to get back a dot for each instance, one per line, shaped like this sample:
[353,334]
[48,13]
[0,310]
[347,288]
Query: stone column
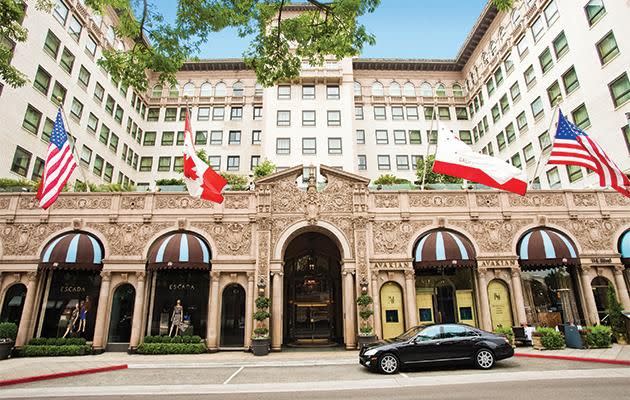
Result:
[622,289]
[349,308]
[249,309]
[484,312]
[138,306]
[212,337]
[590,307]
[28,312]
[376,297]
[103,301]
[410,294]
[517,295]
[276,312]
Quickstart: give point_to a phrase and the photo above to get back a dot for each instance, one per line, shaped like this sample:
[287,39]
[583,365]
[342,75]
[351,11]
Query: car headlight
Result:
[369,353]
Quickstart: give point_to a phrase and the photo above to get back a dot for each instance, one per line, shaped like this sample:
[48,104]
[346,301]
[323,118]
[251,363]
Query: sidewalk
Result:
[615,353]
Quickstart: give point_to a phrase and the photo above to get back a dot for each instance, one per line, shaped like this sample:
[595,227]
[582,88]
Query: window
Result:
[360,136]
[309,146]
[334,146]
[620,90]
[515,92]
[92,123]
[498,76]
[205,90]
[554,178]
[201,138]
[168,138]
[508,64]
[429,113]
[216,138]
[465,137]
[218,113]
[84,77]
[445,113]
[501,141]
[203,114]
[432,135]
[626,134]
[308,118]
[377,89]
[530,76]
[574,172]
[334,118]
[554,94]
[505,104]
[570,81]
[146,164]
[546,61]
[149,138]
[397,113]
[220,90]
[118,115]
[522,48]
[38,169]
[560,45]
[580,117]
[412,113]
[409,90]
[529,152]
[284,92]
[214,162]
[109,105]
[32,119]
[67,60]
[402,162]
[52,45]
[156,91]
[60,12]
[90,46]
[383,162]
[173,92]
[362,162]
[516,160]
[415,137]
[86,156]
[283,146]
[332,92]
[109,171]
[394,89]
[544,141]
[382,137]
[490,86]
[461,113]
[358,112]
[113,143]
[180,138]
[595,10]
[308,92]
[284,118]
[21,161]
[400,137]
[178,164]
[537,108]
[236,113]
[164,164]
[254,162]
[58,96]
[416,160]
[496,114]
[510,132]
[379,113]
[607,48]
[182,114]
[234,137]
[357,89]
[258,113]
[538,28]
[153,114]
[521,122]
[551,13]
[76,110]
[237,89]
[256,137]
[104,135]
[42,81]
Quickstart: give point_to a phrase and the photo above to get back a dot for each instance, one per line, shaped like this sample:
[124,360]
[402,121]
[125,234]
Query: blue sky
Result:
[403,29]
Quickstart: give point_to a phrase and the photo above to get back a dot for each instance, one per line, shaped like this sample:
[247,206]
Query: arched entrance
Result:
[500,304]
[312,287]
[121,317]
[600,292]
[392,314]
[233,316]
[13,304]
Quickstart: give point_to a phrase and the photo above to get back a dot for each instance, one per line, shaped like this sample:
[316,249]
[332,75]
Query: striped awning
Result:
[75,250]
[443,248]
[624,247]
[179,250]
[546,248]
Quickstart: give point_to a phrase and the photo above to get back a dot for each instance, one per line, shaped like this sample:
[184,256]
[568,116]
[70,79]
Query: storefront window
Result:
[13,304]
[600,293]
[445,295]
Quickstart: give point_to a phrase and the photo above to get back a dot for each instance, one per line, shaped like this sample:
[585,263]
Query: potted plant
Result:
[505,331]
[366,331]
[8,333]
[261,341]
[548,339]
[616,317]
[598,337]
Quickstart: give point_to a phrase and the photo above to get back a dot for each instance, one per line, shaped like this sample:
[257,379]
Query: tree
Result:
[615,313]
[275,53]
[263,169]
[432,177]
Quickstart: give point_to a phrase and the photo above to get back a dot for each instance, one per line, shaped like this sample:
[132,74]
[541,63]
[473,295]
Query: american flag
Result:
[58,166]
[572,146]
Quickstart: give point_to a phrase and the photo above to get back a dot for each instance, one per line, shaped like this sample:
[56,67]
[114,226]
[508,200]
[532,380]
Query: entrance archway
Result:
[312,287]
[392,314]
[121,316]
[500,304]
[13,304]
[600,292]
[233,316]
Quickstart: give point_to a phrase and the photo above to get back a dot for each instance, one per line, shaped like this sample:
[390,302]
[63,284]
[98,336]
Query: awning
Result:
[624,248]
[179,250]
[443,248]
[76,250]
[546,248]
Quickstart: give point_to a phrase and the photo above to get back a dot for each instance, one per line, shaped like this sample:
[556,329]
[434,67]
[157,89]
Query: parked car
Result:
[440,343]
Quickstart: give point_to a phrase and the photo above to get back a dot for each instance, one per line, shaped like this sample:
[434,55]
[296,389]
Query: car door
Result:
[457,342]
[425,346]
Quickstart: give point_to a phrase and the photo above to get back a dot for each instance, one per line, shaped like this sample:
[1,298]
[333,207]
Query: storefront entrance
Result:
[500,304]
[600,293]
[312,286]
[121,318]
[13,304]
[233,316]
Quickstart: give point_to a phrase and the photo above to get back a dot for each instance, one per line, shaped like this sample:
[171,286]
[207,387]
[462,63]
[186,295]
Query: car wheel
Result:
[484,359]
[388,364]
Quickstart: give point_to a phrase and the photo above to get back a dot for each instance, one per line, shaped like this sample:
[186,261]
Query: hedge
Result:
[57,342]
[598,336]
[8,330]
[55,350]
[172,348]
[175,339]
[551,339]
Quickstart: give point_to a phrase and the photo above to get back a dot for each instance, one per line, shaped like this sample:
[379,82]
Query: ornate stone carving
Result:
[28,202]
[392,237]
[279,224]
[584,199]
[361,251]
[312,204]
[141,276]
[4,203]
[106,276]
[386,200]
[129,239]
[616,200]
[493,235]
[538,200]
[232,238]
[437,200]
[236,201]
[286,197]
[487,200]
[25,239]
[593,234]
[263,223]
[132,202]
[263,257]
[345,224]
[410,274]
[181,201]
[619,269]
[337,195]
[83,202]
[516,272]
[31,276]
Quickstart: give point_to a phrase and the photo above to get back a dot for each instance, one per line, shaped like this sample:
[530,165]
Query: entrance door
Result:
[392,316]
[500,305]
[122,314]
[600,292]
[233,316]
[13,304]
[445,300]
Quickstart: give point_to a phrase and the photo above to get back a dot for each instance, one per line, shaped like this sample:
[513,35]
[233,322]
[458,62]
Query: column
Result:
[276,312]
[138,306]
[249,309]
[483,300]
[376,297]
[410,302]
[349,310]
[28,312]
[213,312]
[622,289]
[517,295]
[103,301]
[590,307]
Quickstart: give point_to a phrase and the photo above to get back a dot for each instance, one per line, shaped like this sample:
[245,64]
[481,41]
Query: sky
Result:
[403,29]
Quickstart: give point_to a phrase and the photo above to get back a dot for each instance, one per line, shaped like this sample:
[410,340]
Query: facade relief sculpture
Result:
[25,239]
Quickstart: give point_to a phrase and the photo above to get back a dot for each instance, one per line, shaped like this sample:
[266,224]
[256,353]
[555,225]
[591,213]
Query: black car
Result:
[436,344]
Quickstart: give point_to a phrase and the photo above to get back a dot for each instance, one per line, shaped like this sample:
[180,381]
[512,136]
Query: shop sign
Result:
[72,289]
[601,260]
[181,286]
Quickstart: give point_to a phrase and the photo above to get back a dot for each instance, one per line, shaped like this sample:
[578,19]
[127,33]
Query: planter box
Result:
[260,347]
[5,349]
[537,343]
[365,340]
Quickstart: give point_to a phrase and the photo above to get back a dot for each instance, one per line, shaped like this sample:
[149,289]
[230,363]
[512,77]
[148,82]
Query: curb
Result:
[572,358]
[58,375]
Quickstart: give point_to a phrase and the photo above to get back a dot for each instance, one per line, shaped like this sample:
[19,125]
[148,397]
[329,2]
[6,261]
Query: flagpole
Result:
[554,111]
[73,146]
[424,169]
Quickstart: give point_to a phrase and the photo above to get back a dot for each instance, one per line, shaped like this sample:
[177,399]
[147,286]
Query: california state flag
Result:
[456,158]
[201,180]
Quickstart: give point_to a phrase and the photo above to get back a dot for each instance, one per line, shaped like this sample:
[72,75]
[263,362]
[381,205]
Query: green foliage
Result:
[389,179]
[172,348]
[365,312]
[106,187]
[11,30]
[262,302]
[203,155]
[551,339]
[55,351]
[175,339]
[366,330]
[503,5]
[57,342]
[261,332]
[8,183]
[615,313]
[432,177]
[260,316]
[8,330]
[364,300]
[504,330]
[236,182]
[170,182]
[263,169]
[599,336]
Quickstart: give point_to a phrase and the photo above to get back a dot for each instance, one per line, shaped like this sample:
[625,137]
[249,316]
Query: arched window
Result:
[157,91]
[516,16]
[111,35]
[237,89]
[357,89]
[457,90]
[189,89]
[426,90]
[394,89]
[409,90]
[173,91]
[377,89]
[440,91]
[206,90]
[220,90]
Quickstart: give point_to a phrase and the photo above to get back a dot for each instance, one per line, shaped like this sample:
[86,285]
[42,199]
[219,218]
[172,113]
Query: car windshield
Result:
[411,333]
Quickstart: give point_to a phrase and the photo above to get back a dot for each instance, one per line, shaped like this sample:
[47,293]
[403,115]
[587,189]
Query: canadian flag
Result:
[201,180]
[456,158]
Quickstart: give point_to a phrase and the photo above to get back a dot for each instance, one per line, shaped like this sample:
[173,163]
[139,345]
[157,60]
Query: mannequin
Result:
[177,318]
[84,308]
[72,320]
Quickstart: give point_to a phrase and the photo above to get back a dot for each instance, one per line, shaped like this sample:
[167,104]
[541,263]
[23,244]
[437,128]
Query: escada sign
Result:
[181,286]
[72,289]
